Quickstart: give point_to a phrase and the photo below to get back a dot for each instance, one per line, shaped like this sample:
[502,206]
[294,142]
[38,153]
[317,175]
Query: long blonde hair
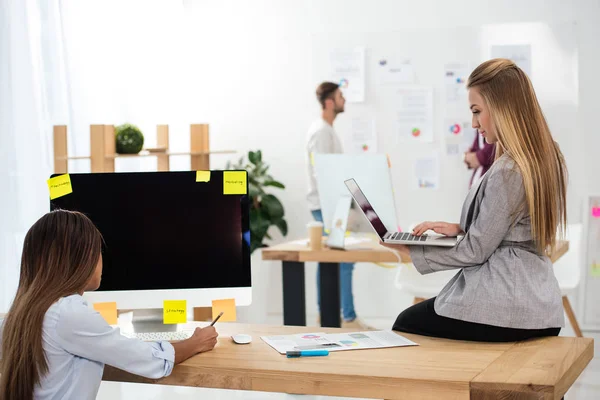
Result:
[60,255]
[523,134]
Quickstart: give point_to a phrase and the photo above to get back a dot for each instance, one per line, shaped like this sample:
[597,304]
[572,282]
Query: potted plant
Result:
[129,139]
[266,210]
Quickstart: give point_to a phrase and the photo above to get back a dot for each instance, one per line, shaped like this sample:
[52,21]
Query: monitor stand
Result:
[147,320]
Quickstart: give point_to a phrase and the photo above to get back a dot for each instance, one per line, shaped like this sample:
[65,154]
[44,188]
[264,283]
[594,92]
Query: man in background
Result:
[322,139]
[479,158]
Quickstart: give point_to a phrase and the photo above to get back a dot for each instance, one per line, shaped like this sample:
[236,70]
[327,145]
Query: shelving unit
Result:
[103,149]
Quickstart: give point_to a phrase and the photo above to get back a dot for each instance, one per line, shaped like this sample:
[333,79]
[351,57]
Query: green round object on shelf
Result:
[129,138]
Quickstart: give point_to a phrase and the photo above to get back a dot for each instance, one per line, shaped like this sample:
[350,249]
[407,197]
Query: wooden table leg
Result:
[329,274]
[294,294]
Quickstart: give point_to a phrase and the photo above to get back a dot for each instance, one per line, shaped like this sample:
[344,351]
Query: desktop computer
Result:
[371,170]
[166,237]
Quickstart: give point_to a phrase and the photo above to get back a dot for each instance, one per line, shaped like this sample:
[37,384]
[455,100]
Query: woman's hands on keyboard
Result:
[443,228]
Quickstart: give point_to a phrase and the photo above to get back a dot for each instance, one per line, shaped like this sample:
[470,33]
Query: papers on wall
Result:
[520,54]
[456,127]
[348,70]
[427,172]
[414,114]
[392,71]
[364,135]
[458,136]
[455,80]
[337,341]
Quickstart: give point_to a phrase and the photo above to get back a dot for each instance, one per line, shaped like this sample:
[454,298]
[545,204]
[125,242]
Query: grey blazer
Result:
[502,279]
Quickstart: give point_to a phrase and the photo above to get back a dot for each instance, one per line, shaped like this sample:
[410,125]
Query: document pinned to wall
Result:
[427,172]
[455,81]
[456,127]
[394,70]
[414,114]
[520,54]
[364,135]
[348,70]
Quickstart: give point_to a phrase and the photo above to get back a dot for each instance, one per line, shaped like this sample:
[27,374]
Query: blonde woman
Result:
[504,288]
[53,345]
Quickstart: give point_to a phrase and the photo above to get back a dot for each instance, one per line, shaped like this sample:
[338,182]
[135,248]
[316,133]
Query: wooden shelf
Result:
[103,149]
[149,154]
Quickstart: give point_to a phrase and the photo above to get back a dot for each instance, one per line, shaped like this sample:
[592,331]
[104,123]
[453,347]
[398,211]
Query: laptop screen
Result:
[366,207]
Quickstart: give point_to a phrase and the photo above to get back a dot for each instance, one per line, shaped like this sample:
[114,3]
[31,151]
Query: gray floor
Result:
[587,387]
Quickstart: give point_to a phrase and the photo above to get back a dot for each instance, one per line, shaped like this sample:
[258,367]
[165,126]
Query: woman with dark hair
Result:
[53,345]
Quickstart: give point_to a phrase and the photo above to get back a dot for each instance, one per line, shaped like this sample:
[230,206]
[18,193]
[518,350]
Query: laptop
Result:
[393,237]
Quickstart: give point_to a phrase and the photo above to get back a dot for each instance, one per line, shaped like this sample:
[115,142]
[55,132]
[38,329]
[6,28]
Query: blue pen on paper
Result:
[306,353]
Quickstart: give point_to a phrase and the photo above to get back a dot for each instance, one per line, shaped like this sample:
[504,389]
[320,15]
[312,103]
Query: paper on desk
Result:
[337,341]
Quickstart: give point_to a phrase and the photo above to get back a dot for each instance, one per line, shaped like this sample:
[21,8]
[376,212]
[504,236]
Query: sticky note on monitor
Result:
[108,311]
[228,308]
[596,212]
[202,176]
[59,186]
[174,312]
[234,182]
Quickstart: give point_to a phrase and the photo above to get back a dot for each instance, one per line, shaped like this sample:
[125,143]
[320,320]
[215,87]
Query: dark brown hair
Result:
[524,135]
[325,91]
[60,255]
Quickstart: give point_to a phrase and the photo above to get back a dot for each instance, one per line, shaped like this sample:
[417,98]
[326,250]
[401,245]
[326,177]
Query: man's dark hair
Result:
[325,91]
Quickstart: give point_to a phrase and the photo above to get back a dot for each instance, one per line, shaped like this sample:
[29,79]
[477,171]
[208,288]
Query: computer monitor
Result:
[167,237]
[373,173]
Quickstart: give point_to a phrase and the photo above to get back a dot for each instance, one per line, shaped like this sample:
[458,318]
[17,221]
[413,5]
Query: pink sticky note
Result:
[596,212]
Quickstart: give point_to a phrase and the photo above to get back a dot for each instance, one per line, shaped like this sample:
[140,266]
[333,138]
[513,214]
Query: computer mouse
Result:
[241,338]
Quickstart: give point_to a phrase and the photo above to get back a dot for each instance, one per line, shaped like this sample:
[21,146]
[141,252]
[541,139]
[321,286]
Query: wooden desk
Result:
[437,369]
[293,256]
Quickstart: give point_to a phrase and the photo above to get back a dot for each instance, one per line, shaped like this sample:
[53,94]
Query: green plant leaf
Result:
[259,155]
[282,225]
[252,157]
[274,184]
[272,206]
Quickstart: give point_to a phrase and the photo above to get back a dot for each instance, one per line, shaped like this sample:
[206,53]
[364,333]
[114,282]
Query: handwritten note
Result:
[228,308]
[174,312]
[108,311]
[59,186]
[202,176]
[234,182]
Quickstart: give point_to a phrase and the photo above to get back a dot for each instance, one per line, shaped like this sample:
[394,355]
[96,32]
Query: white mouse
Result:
[241,338]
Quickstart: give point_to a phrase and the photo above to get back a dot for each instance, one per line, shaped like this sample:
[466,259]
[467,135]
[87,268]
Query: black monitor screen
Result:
[164,230]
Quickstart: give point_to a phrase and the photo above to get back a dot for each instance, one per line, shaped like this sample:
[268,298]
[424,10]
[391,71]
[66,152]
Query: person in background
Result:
[322,139]
[54,346]
[479,158]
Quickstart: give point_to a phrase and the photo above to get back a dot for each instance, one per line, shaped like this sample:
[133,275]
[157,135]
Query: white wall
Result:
[246,70]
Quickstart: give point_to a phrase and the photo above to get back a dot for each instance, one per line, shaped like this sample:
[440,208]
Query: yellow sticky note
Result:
[228,308]
[108,311]
[59,186]
[234,182]
[312,159]
[202,176]
[174,312]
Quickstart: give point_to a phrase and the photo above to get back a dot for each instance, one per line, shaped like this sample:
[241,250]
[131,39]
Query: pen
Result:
[216,319]
[306,353]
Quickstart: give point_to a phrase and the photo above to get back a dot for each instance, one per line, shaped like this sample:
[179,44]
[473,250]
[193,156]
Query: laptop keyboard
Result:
[409,237]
